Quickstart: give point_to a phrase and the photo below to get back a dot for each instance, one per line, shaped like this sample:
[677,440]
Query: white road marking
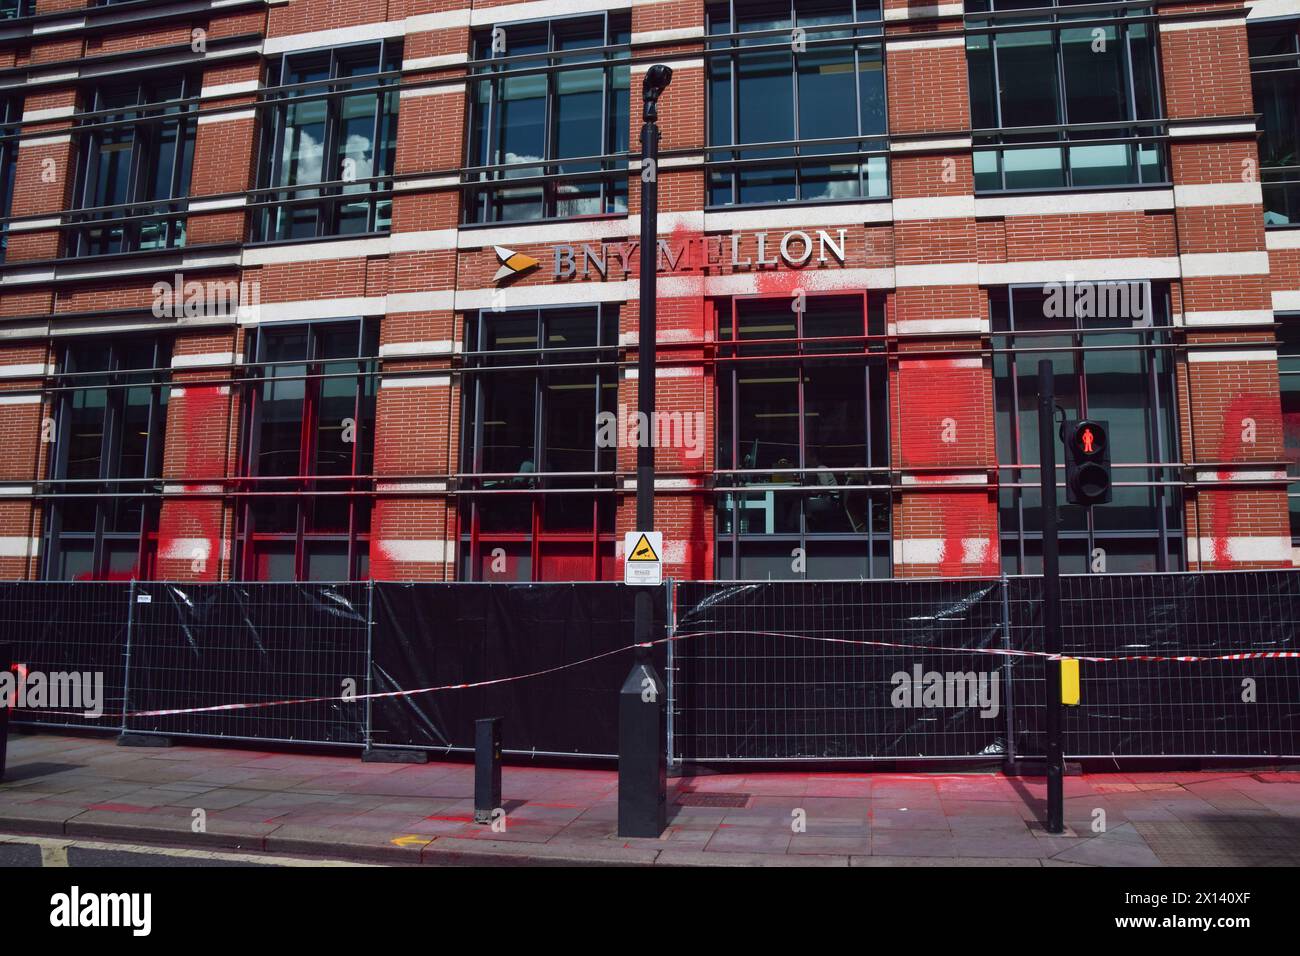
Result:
[54,852]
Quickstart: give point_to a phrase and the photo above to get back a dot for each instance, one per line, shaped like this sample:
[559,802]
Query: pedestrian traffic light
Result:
[1087,462]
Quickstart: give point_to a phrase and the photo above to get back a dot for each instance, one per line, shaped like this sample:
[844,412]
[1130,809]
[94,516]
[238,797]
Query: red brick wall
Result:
[943,452]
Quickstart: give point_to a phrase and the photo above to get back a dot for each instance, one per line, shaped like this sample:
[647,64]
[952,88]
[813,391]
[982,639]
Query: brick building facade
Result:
[258,316]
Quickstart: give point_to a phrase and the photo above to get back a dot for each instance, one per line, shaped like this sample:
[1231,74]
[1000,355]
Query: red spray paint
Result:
[188,516]
[1233,447]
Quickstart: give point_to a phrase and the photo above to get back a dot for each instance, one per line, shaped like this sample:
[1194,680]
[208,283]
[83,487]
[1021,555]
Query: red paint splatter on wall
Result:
[189,527]
[1246,421]
[129,575]
[937,401]
[382,566]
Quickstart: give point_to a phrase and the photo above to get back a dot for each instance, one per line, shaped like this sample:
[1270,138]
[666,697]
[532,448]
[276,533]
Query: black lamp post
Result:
[1055,822]
[656,81]
[642,738]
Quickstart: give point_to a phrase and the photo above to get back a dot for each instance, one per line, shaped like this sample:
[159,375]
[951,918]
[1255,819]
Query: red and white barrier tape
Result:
[1007,652]
[995,651]
[353,698]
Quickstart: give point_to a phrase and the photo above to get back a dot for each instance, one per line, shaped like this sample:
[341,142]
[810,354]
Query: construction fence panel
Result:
[819,670]
[1137,708]
[839,670]
[251,645]
[518,636]
[65,628]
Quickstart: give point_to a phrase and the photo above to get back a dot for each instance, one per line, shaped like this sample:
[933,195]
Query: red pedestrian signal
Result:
[1087,462]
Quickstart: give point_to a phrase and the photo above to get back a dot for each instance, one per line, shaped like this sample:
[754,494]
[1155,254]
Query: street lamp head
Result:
[656,81]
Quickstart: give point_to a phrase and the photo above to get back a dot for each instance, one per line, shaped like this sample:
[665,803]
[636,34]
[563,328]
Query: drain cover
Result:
[729,801]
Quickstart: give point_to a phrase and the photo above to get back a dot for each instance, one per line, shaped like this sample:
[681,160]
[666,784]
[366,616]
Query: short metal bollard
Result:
[6,665]
[487,768]
[642,753]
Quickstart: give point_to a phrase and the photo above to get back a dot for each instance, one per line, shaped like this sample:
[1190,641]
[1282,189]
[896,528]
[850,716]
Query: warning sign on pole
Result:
[642,557]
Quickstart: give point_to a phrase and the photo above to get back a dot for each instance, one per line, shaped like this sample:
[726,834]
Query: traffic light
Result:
[1087,462]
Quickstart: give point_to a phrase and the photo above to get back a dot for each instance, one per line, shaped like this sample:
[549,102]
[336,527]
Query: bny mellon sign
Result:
[768,250]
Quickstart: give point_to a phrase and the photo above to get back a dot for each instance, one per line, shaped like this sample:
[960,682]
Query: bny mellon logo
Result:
[512,263]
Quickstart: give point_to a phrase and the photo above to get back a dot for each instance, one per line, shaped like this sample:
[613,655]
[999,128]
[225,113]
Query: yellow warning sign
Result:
[643,551]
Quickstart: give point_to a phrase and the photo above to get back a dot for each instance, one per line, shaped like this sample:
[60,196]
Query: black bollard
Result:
[6,666]
[642,752]
[487,768]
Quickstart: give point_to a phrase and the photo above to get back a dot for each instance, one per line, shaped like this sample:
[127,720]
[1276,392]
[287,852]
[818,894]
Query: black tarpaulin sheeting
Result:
[67,626]
[203,645]
[1145,708]
[762,673]
[429,635]
[748,683]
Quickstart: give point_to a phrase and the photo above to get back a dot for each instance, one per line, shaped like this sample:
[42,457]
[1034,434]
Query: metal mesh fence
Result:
[823,670]
[755,677]
[64,627]
[759,670]
[549,654]
[202,645]
[1166,708]
[433,635]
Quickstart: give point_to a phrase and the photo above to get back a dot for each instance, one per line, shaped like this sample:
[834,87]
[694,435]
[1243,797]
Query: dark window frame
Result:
[864,348]
[481,489]
[274,202]
[1280,182]
[11,115]
[1288,370]
[110,488]
[307,482]
[16,9]
[142,128]
[1020,475]
[484,204]
[727,163]
[1064,136]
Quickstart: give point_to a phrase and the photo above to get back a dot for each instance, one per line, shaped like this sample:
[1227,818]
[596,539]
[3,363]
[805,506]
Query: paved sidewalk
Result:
[339,807]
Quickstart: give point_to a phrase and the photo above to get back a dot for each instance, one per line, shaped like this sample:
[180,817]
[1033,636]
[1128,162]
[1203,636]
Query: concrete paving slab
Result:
[331,805]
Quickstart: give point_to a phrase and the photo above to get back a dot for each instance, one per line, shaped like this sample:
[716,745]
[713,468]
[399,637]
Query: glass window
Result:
[801,85]
[1109,344]
[10,115]
[1288,367]
[550,111]
[135,148]
[1064,107]
[329,141]
[1275,77]
[803,439]
[13,9]
[309,452]
[537,479]
[110,405]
